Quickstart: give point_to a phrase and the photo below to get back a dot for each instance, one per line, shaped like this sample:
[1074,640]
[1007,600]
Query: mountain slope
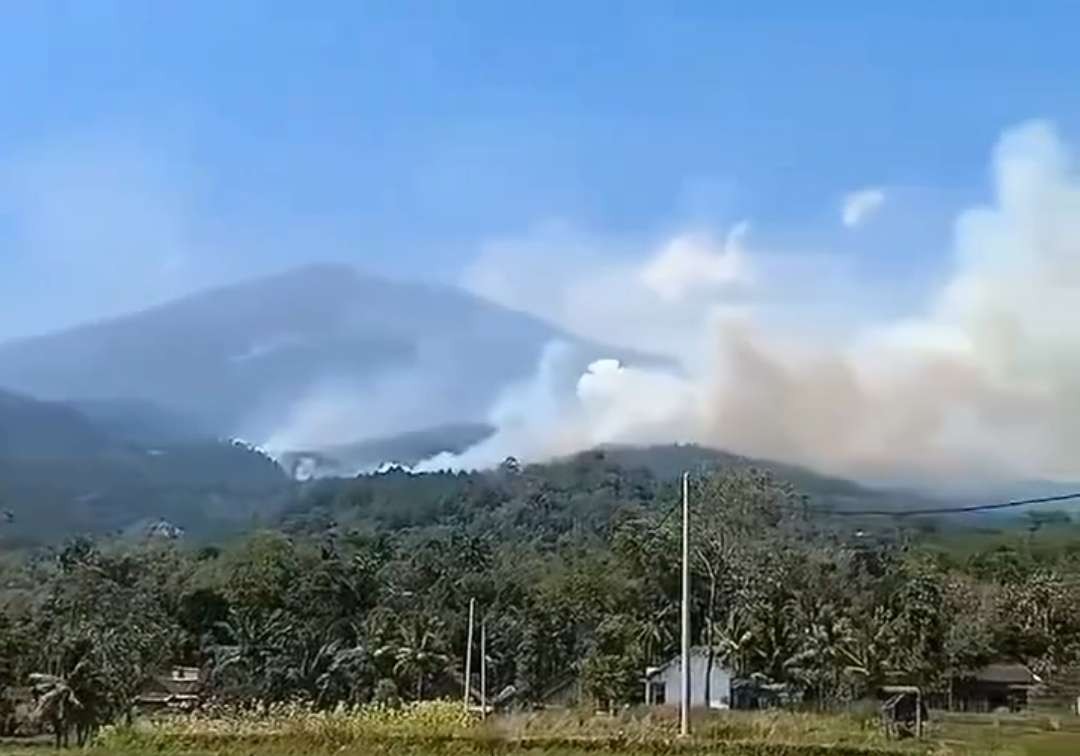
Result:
[63,473]
[139,422]
[32,428]
[321,355]
[585,490]
[206,489]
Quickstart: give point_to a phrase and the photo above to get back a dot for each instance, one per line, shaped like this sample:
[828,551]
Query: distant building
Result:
[178,688]
[663,685]
[994,687]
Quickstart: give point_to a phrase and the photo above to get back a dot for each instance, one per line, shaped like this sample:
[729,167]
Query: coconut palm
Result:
[418,652]
[253,639]
[656,631]
[733,639]
[326,671]
[867,651]
[74,701]
[56,702]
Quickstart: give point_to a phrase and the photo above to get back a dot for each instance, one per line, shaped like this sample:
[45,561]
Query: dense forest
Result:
[361,591]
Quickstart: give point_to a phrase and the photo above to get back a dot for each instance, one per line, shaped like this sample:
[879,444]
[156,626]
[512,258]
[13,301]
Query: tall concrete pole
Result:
[684,703]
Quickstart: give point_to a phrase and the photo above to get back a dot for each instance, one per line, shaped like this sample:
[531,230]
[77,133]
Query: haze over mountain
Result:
[30,428]
[318,356]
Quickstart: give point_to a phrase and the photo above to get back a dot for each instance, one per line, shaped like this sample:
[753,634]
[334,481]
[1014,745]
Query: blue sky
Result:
[150,148]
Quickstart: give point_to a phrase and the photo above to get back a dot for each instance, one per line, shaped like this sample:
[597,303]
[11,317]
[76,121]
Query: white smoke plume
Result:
[982,380]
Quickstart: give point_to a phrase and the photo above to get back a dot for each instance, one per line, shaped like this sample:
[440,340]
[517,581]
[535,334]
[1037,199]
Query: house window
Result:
[658,693]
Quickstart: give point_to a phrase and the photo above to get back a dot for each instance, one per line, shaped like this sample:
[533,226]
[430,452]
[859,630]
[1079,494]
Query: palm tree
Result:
[827,635]
[253,639]
[656,631]
[56,702]
[418,651]
[733,640]
[71,701]
[73,694]
[327,671]
[868,648]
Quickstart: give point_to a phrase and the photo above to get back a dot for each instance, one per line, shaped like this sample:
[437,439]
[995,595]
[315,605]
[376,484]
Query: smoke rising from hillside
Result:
[983,380]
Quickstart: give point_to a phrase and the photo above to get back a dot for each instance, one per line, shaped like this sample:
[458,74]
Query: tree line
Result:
[361,594]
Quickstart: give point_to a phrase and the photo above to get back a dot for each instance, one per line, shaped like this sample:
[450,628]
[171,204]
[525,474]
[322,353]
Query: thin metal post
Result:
[483,668]
[684,703]
[468,652]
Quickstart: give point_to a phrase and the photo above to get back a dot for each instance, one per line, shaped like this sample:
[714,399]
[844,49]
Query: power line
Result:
[943,510]
[910,512]
[674,508]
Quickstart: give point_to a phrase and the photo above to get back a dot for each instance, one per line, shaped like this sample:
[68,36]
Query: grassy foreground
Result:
[443,729]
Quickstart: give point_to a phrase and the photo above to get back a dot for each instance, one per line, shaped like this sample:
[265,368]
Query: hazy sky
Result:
[150,148]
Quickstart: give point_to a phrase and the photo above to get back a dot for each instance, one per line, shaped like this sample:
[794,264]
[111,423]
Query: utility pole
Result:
[468,651]
[483,668]
[684,703]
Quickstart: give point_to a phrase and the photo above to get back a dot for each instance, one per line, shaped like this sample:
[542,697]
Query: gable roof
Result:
[675,661]
[1004,673]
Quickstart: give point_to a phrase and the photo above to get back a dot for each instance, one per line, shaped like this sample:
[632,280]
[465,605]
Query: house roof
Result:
[1006,674]
[179,683]
[676,660]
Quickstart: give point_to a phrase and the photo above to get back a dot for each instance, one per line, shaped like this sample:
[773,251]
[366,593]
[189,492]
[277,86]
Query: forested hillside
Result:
[362,592]
[207,489]
[33,429]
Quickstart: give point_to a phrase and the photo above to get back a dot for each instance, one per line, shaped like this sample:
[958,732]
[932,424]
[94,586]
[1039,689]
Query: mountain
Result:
[32,428]
[317,356]
[668,461]
[586,490]
[139,422]
[206,488]
[62,472]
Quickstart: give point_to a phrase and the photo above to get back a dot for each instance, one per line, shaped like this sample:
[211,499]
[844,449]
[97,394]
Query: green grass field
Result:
[441,729]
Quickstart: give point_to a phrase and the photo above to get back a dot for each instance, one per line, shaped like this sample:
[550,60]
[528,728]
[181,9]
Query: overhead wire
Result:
[944,510]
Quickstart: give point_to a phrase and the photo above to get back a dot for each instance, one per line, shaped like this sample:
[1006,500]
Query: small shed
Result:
[999,686]
[177,688]
[903,711]
[757,694]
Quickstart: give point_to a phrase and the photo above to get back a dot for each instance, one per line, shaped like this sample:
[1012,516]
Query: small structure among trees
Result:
[994,687]
[710,682]
[904,711]
[179,688]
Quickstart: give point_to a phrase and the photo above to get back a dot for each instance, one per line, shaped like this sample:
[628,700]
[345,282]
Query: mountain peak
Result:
[321,354]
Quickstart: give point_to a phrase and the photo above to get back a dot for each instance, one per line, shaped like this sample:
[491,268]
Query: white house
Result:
[663,685]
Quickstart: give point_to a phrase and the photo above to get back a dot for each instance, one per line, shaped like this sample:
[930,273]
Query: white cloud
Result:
[694,262]
[859,206]
[649,297]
